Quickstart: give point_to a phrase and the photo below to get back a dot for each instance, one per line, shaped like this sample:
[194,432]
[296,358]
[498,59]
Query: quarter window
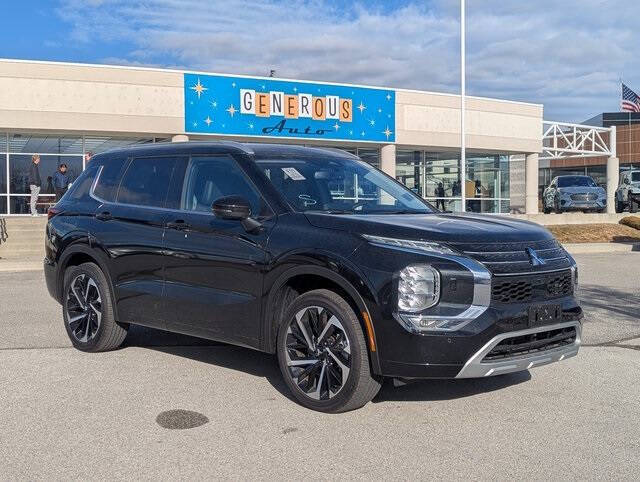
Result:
[146,181]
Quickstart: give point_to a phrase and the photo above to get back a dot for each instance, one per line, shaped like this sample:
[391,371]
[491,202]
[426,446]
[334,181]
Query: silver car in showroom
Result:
[574,193]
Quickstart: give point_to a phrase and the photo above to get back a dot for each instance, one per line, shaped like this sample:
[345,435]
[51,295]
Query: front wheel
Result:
[88,310]
[323,354]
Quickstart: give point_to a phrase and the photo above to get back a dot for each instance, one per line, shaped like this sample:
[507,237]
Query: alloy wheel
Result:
[318,353]
[84,308]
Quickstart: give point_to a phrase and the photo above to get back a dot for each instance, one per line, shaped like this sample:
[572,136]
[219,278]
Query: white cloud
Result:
[568,55]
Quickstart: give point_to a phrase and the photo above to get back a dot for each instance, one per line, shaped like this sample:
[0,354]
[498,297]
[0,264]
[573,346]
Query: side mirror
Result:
[626,180]
[231,207]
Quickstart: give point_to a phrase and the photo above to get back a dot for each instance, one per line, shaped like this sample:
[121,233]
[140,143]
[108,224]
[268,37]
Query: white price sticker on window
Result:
[293,173]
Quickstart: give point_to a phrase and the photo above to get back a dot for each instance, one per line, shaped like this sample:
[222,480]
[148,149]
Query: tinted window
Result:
[210,178]
[346,186]
[576,181]
[81,186]
[635,177]
[146,181]
[109,180]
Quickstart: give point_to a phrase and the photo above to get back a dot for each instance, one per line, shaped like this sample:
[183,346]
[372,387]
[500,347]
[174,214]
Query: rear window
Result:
[146,182]
[109,180]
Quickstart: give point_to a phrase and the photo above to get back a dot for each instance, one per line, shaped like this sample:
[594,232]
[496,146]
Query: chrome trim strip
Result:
[525,273]
[474,368]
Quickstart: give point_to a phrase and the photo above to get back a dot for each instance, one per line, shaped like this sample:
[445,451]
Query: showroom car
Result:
[574,193]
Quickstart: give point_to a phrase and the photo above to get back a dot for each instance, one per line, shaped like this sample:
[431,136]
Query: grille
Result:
[518,289]
[509,258]
[584,197]
[532,343]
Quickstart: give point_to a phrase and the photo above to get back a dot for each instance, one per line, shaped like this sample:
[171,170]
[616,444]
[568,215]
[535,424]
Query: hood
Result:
[580,189]
[443,227]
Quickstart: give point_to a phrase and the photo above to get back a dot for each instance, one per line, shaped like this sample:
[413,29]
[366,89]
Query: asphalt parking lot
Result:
[70,415]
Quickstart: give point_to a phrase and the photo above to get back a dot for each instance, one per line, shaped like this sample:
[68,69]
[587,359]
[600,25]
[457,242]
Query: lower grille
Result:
[584,197]
[518,289]
[532,343]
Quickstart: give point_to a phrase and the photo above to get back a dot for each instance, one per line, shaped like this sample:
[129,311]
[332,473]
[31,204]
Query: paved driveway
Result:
[67,414]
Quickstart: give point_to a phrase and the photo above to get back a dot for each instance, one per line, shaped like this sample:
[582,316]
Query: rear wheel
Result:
[323,354]
[88,310]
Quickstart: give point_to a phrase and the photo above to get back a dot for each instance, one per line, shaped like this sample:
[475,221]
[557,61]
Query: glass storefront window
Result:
[442,175]
[97,144]
[3,205]
[35,144]
[3,142]
[19,166]
[20,204]
[372,156]
[3,175]
[410,169]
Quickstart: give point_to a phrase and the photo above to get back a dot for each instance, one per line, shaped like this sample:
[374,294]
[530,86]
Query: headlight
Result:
[418,288]
[427,246]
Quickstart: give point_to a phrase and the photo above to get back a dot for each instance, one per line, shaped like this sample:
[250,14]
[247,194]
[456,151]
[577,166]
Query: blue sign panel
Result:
[216,104]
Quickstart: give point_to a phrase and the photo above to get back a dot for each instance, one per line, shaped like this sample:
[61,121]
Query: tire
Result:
[633,206]
[545,209]
[557,208]
[323,350]
[91,326]
[619,206]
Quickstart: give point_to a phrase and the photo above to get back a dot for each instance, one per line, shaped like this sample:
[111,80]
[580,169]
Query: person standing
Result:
[440,196]
[61,181]
[35,183]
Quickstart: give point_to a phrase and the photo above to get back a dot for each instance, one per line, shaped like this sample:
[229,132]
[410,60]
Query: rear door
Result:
[131,225]
[213,267]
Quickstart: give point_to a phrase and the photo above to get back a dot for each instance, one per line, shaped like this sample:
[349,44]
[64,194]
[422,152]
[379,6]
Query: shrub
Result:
[631,221]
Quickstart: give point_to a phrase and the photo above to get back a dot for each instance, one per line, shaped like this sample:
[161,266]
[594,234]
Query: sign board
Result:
[245,106]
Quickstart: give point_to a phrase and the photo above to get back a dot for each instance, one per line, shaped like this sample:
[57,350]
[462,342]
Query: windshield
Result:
[575,181]
[341,186]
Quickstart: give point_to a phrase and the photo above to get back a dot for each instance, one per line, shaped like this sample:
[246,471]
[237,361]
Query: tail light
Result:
[53,211]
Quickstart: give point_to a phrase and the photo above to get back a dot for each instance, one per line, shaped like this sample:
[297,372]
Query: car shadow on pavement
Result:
[435,390]
[263,365]
[608,302]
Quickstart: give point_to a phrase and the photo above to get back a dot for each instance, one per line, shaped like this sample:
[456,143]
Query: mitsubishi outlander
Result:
[310,254]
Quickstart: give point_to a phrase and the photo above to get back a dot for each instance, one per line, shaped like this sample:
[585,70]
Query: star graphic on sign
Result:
[195,124]
[336,126]
[250,125]
[361,107]
[388,96]
[351,132]
[198,88]
[263,86]
[233,84]
[387,132]
[379,110]
[372,122]
[224,125]
[214,104]
[208,121]
[362,133]
[295,89]
[232,110]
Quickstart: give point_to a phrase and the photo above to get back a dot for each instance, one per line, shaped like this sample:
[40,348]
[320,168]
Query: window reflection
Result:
[19,166]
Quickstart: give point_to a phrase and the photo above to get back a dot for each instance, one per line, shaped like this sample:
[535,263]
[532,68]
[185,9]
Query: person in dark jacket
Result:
[61,180]
[440,196]
[35,183]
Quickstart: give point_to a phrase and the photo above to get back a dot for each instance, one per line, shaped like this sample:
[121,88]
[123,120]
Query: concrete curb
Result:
[585,248]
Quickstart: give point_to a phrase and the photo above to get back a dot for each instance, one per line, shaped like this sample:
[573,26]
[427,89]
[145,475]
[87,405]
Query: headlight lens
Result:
[418,288]
[427,246]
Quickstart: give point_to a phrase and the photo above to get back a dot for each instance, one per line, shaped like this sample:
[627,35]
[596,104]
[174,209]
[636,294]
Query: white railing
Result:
[562,140]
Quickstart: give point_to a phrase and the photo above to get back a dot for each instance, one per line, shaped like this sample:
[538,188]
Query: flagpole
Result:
[463,153]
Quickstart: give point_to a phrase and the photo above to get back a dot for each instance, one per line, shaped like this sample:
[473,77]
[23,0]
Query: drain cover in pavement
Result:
[180,419]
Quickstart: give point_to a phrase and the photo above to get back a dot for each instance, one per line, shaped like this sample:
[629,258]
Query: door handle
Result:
[104,216]
[178,225]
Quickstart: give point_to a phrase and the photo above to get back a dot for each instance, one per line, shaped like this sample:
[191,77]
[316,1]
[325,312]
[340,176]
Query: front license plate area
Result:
[544,315]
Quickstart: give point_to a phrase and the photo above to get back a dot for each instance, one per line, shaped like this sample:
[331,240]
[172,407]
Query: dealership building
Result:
[63,111]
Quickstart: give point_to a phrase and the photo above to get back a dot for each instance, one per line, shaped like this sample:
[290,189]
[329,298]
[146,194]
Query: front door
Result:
[213,267]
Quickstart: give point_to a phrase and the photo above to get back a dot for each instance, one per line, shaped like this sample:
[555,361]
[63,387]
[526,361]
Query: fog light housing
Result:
[418,288]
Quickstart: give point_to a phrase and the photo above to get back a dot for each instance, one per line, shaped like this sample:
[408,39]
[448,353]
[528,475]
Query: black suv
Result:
[311,254]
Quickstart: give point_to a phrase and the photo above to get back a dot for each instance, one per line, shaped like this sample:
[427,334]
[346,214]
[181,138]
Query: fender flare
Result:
[269,341]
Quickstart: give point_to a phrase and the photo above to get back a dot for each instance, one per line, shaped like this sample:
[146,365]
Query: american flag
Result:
[630,100]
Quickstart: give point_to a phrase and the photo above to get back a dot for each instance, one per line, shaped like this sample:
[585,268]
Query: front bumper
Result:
[478,367]
[569,204]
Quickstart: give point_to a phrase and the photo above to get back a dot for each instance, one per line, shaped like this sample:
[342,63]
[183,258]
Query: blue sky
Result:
[567,55]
